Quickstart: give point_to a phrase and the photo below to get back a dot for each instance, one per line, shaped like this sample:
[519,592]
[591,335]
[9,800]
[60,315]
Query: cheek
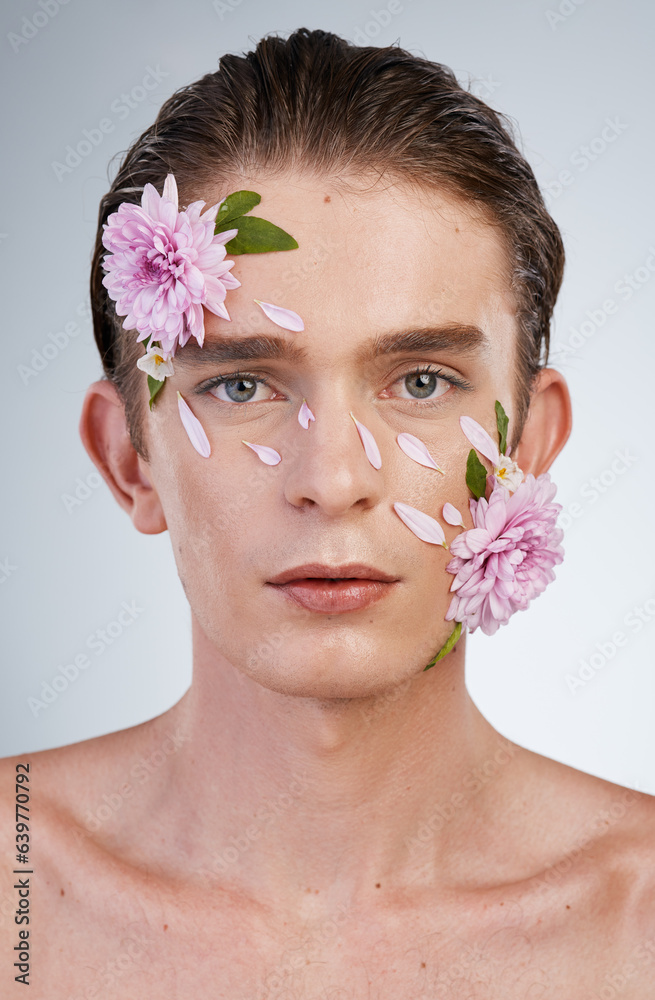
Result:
[210,505]
[428,490]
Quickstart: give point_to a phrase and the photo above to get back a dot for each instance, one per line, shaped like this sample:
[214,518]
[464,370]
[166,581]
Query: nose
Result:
[331,469]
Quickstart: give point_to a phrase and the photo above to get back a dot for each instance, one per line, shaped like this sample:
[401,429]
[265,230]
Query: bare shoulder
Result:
[603,834]
[57,786]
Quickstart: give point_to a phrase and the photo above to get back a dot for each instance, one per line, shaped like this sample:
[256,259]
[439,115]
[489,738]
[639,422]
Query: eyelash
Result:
[427,369]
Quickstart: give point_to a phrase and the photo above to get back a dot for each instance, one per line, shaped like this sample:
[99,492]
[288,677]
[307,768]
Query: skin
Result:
[330,820]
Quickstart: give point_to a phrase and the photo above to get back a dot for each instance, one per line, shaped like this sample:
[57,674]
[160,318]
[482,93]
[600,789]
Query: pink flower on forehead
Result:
[507,558]
[165,265]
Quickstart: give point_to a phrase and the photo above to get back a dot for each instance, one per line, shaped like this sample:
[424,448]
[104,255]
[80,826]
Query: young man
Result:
[320,816]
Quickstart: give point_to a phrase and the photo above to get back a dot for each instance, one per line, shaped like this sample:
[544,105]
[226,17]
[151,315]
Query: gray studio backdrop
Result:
[92,611]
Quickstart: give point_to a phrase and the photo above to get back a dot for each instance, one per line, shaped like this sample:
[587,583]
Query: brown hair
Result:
[315,101]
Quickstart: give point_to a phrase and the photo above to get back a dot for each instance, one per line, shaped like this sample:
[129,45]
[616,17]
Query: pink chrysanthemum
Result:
[507,558]
[165,265]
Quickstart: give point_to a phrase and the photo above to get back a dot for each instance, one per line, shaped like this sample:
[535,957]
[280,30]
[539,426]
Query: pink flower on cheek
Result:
[507,558]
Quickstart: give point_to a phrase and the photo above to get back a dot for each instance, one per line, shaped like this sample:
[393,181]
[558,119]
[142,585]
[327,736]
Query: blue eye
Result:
[237,388]
[425,384]
[429,383]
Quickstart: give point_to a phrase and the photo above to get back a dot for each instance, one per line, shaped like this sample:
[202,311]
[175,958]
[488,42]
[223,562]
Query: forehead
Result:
[373,255]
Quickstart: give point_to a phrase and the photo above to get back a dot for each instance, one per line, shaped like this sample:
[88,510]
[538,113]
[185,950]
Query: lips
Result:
[334,589]
[321,571]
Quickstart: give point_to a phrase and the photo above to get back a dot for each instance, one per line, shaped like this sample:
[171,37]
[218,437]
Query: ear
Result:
[548,426]
[105,436]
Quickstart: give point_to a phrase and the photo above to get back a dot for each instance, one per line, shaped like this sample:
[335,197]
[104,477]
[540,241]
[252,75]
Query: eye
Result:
[236,388]
[427,382]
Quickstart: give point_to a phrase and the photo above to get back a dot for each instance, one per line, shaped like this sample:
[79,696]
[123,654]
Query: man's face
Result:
[371,263]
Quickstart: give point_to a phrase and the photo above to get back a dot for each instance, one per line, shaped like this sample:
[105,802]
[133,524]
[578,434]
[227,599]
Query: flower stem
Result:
[447,646]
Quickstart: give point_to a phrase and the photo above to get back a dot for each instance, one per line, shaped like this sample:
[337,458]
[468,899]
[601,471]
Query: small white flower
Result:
[508,473]
[155,363]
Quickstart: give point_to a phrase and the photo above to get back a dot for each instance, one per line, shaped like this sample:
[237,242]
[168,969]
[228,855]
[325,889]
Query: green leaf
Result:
[448,645]
[502,423]
[258,236]
[476,475]
[236,204]
[155,386]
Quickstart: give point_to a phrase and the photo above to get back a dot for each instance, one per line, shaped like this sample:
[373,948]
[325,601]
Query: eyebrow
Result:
[461,338]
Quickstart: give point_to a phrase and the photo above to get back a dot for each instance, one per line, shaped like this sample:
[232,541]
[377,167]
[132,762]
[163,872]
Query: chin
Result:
[332,675]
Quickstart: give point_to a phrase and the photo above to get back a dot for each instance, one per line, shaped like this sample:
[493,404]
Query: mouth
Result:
[330,590]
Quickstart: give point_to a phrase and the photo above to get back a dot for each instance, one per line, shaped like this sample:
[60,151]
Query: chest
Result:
[144,945]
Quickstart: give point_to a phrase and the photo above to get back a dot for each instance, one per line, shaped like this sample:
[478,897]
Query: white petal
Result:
[193,427]
[416,449]
[170,189]
[452,515]
[480,439]
[305,415]
[423,526]
[286,318]
[268,455]
[370,444]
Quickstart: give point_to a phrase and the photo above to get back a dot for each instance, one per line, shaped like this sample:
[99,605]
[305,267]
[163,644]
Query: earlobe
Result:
[548,426]
[105,436]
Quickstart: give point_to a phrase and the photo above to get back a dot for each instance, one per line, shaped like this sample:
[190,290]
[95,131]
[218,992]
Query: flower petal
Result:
[480,439]
[225,236]
[370,446]
[286,318]
[170,189]
[305,415]
[452,515]
[415,448]
[193,427]
[423,526]
[268,455]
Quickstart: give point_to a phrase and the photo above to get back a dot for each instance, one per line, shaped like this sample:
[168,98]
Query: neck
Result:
[293,796]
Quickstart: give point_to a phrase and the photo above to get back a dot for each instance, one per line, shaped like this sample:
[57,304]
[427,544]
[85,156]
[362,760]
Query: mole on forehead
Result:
[457,338]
